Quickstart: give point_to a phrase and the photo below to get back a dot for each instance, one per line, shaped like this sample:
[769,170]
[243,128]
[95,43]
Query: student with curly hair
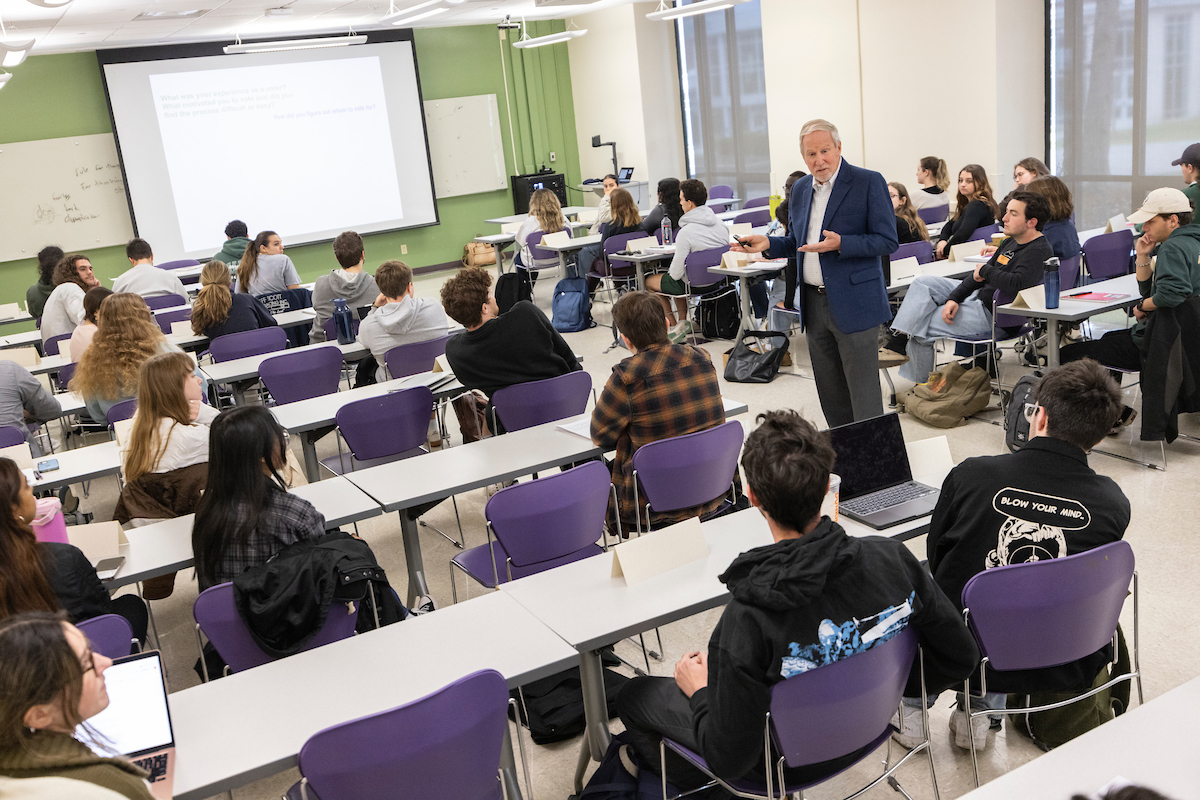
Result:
[73,276]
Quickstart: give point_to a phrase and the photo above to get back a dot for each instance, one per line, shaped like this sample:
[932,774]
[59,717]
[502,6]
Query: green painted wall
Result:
[62,95]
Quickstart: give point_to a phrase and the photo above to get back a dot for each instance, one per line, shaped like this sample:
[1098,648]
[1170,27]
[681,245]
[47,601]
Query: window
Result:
[725,99]
[1176,52]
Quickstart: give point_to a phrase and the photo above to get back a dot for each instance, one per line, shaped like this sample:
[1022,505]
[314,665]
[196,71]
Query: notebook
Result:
[877,486]
[137,722]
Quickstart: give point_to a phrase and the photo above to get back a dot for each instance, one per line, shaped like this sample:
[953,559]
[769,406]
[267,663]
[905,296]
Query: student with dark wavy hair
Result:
[976,208]
[73,276]
[668,206]
[37,295]
[50,683]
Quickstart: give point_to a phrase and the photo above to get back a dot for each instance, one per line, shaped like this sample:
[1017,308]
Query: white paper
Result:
[659,551]
[580,427]
[960,251]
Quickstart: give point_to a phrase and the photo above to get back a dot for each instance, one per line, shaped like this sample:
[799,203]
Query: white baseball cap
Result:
[1161,201]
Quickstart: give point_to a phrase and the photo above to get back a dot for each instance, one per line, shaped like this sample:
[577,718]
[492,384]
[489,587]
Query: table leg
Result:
[641,276]
[312,467]
[499,250]
[595,705]
[239,393]
[744,290]
[416,566]
[508,768]
[1052,338]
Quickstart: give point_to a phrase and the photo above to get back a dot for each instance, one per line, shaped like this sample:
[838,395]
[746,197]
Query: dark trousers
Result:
[652,708]
[133,609]
[1113,349]
[845,365]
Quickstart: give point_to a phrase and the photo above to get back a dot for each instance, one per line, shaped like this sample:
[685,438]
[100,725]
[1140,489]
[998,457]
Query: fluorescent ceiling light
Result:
[666,12]
[433,12]
[294,44]
[392,12]
[550,38]
[4,76]
[13,53]
[45,4]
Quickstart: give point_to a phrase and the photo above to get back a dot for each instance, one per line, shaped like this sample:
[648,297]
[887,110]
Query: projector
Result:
[508,25]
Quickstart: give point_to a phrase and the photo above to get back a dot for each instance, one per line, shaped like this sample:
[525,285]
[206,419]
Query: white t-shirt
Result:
[186,444]
[149,281]
[275,274]
[63,311]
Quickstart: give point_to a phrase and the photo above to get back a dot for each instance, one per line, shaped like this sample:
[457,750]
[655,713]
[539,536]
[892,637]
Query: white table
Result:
[79,465]
[26,339]
[21,316]
[744,274]
[567,211]
[166,546]
[724,201]
[1151,745]
[252,724]
[571,246]
[1076,310]
[244,369]
[638,259]
[943,269]
[498,241]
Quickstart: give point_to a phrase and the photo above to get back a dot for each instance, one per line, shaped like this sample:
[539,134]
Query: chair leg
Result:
[970,733]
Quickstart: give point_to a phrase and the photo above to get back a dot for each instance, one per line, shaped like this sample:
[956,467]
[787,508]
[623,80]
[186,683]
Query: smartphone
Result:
[108,567]
[49,465]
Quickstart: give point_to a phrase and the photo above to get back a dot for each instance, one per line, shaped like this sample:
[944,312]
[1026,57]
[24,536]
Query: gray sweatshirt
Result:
[356,288]
[413,319]
[699,229]
[21,392]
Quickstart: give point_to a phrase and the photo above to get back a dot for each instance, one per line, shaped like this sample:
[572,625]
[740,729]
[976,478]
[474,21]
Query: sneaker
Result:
[890,358]
[910,726]
[958,727]
[425,605]
[895,341]
[681,331]
[1128,415]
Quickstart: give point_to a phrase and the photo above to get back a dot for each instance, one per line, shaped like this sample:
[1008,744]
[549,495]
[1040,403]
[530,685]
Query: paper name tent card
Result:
[1116,223]
[733,260]
[960,251]
[659,551]
[905,269]
[25,356]
[1034,297]
[20,454]
[182,327]
[640,245]
[741,229]
[556,239]
[441,364]
[98,540]
[10,310]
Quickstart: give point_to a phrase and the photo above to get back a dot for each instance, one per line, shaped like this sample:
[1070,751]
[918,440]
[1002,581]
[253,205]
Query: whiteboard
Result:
[465,145]
[68,192]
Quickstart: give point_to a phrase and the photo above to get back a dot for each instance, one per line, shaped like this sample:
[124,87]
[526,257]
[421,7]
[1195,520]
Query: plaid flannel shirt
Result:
[663,391]
[286,520]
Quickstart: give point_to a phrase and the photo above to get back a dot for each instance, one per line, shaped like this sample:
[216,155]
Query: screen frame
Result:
[171,52]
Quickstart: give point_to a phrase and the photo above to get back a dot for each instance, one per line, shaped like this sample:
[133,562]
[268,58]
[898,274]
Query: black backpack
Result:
[512,288]
[553,707]
[719,314]
[1016,427]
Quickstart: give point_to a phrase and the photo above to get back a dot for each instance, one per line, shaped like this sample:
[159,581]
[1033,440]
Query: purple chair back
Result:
[551,517]
[383,426]
[1107,255]
[984,233]
[415,357]
[247,343]
[719,191]
[165,301]
[688,470]
[1068,272]
[524,405]
[757,217]
[922,251]
[110,635]
[755,202]
[698,262]
[167,318]
[451,749]
[216,614]
[540,252]
[10,435]
[1047,613]
[934,214]
[330,327]
[301,375]
[122,411]
[842,706]
[52,345]
[64,375]
[183,262]
[615,244]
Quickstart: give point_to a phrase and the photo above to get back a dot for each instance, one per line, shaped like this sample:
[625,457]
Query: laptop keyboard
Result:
[886,498]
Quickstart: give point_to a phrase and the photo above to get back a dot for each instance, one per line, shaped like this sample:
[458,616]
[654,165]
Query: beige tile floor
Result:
[1163,533]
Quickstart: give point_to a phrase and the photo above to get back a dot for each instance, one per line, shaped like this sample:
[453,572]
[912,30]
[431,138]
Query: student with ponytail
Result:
[218,311]
[934,179]
[265,269]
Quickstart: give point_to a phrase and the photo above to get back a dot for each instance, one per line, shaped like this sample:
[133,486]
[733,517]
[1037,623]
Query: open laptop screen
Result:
[137,719]
[870,455]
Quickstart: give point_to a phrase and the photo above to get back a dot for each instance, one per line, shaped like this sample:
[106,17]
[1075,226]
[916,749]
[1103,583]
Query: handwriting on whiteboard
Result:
[72,205]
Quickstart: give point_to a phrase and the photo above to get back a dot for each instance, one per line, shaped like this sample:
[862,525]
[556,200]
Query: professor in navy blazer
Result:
[838,282]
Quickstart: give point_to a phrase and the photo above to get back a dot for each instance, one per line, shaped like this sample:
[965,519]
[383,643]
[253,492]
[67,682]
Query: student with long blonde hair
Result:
[909,226]
[126,337]
[934,179]
[218,311]
[265,269]
[170,428]
[976,209]
[545,215]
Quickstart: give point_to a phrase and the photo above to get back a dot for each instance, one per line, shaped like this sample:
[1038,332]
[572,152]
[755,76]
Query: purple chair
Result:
[121,411]
[61,379]
[524,405]
[756,217]
[1107,255]
[183,262]
[719,192]
[303,374]
[984,233]
[685,471]
[1046,613]
[52,345]
[445,746]
[217,618]
[330,328]
[540,253]
[698,279]
[167,318]
[247,343]
[539,525]
[826,713]
[922,251]
[755,202]
[110,635]
[382,429]
[10,436]
[415,357]
[934,214]
[165,301]
[614,270]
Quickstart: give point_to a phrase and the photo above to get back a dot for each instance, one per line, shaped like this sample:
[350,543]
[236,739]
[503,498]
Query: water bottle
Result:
[1051,282]
[665,229]
[343,321]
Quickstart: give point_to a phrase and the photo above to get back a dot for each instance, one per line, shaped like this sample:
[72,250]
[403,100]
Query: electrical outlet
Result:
[403,249]
[552,156]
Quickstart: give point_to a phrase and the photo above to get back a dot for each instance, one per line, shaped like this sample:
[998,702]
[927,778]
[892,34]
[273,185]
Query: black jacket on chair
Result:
[1170,369]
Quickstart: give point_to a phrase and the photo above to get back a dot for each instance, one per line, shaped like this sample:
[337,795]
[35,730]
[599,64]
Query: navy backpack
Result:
[572,307]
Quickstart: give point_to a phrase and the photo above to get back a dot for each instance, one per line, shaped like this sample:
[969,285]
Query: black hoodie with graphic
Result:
[801,603]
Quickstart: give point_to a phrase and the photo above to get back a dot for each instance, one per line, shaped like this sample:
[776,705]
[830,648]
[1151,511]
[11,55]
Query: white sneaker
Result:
[910,726]
[979,730]
[425,605]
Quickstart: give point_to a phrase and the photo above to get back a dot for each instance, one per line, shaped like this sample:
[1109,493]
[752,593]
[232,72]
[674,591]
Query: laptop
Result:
[137,722]
[877,486]
[625,175]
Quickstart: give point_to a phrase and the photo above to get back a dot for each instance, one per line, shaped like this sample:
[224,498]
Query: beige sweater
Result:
[59,755]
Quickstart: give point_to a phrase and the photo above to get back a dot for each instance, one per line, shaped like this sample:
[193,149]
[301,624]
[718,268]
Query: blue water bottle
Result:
[666,229]
[1051,282]
[343,321]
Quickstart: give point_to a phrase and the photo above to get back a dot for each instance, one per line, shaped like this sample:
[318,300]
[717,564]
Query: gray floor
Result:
[1162,534]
